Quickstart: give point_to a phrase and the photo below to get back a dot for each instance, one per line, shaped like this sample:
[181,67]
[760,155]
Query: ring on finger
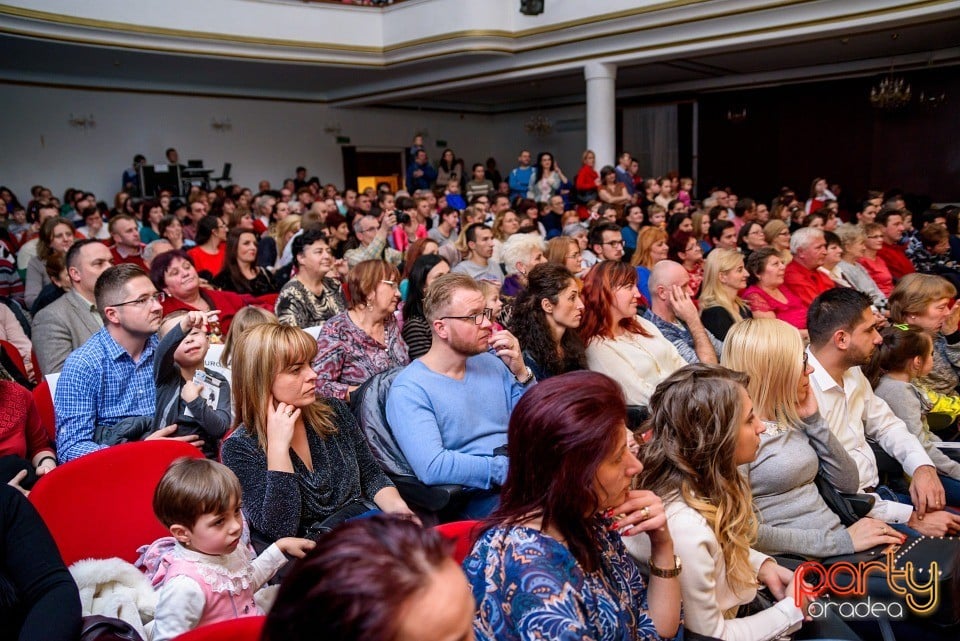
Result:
[645,513]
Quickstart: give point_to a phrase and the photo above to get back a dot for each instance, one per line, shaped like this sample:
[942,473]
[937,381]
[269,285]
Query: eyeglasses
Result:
[476,318]
[144,300]
[613,243]
[369,229]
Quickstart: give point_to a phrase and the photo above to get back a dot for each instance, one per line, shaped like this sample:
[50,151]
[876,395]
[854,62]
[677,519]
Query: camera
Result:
[402,218]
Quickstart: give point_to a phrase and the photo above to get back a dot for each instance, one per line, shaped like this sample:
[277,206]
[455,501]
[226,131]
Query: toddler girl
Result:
[905,356]
[209,575]
[197,400]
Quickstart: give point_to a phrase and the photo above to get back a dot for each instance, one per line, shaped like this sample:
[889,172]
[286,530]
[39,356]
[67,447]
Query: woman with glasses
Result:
[777,234]
[364,340]
[620,344]
[211,249]
[876,267]
[854,241]
[566,252]
[685,249]
[751,238]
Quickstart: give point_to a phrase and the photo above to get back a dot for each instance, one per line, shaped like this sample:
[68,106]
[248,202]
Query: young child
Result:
[195,399]
[491,295]
[209,575]
[906,355]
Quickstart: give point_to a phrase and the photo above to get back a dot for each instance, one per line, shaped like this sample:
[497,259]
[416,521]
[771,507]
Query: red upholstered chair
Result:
[14,356]
[462,533]
[44,402]
[101,505]
[242,629]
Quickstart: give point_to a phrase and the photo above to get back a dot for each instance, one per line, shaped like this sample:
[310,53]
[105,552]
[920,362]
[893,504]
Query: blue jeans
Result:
[950,486]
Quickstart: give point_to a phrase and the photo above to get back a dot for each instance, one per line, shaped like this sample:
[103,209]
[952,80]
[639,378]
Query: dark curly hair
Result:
[529,322]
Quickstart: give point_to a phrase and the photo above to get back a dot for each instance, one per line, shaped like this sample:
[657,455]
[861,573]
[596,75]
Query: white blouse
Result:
[637,362]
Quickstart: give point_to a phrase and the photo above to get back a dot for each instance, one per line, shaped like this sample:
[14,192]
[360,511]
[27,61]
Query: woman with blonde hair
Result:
[927,301]
[652,247]
[795,445]
[777,234]
[505,225]
[724,277]
[704,426]
[281,233]
[302,461]
[565,251]
[854,242]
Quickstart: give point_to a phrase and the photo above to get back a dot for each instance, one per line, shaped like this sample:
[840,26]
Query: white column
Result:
[601,80]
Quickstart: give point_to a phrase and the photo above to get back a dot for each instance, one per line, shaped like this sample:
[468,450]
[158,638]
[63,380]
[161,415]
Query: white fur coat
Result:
[115,588]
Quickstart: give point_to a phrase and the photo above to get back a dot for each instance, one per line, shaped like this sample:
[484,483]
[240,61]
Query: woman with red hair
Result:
[620,344]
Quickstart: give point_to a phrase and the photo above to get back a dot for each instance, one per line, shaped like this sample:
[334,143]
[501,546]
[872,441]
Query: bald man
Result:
[674,313]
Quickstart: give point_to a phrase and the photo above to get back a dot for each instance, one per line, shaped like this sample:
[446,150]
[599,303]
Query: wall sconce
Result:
[932,100]
[332,128]
[736,115]
[221,125]
[82,122]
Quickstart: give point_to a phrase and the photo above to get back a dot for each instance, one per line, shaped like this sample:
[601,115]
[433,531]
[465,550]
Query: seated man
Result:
[675,314]
[126,241]
[803,275]
[843,335]
[109,379]
[449,409]
[67,323]
[478,263]
[372,234]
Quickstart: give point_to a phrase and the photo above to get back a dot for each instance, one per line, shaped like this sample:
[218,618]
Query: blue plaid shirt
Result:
[100,385]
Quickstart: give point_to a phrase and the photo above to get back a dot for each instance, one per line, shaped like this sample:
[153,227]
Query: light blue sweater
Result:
[447,428]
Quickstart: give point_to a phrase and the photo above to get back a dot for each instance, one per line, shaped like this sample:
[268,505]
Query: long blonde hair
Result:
[259,355]
[770,352]
[713,293]
[696,418]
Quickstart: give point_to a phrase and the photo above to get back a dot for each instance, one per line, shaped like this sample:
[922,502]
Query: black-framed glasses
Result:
[476,318]
[613,243]
[143,300]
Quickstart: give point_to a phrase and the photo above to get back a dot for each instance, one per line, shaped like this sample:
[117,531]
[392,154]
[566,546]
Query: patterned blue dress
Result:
[528,586]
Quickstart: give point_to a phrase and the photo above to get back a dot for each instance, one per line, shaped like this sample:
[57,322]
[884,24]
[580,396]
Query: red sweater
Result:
[895,256]
[806,284]
[21,433]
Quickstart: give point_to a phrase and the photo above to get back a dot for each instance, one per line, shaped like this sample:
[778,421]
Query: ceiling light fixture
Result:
[538,125]
[891,94]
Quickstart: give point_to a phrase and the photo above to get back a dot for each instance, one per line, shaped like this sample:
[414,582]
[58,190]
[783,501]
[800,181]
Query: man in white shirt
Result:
[843,335]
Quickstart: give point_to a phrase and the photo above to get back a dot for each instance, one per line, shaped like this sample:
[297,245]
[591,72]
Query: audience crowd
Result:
[650,397]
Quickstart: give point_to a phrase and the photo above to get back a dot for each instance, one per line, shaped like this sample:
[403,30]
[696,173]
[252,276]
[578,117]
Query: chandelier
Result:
[538,126]
[891,94]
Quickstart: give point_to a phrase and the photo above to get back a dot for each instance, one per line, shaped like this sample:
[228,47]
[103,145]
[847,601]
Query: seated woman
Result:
[211,249]
[311,296]
[766,297]
[777,234]
[171,229]
[651,249]
[795,445]
[420,247]
[550,562]
[240,272]
[750,238]
[38,597]
[853,241]
[620,344]
[26,452]
[270,248]
[151,213]
[382,578]
[565,251]
[927,301]
[364,340]
[56,237]
[520,254]
[685,249]
[545,320]
[174,274]
[874,265]
[416,330]
[703,428]
[724,276]
[300,460]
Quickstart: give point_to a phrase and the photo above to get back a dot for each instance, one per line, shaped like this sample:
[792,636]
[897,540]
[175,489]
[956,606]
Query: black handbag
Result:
[353,509]
[100,628]
[849,507]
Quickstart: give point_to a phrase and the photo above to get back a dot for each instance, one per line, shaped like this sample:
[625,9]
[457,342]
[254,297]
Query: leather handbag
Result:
[351,510]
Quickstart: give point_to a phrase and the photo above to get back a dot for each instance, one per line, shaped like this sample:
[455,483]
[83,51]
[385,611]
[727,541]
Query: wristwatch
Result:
[667,574]
[527,377]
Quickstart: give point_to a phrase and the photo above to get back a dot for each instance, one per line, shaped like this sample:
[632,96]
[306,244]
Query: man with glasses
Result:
[108,381]
[449,409]
[606,241]
[372,234]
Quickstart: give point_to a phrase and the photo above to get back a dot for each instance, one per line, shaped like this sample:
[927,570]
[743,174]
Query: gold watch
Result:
[666,574]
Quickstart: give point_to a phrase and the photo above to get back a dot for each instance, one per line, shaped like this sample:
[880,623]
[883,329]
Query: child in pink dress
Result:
[209,575]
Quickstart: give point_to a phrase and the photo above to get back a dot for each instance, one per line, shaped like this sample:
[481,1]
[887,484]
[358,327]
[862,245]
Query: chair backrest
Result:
[369,404]
[14,356]
[462,532]
[43,399]
[101,505]
[242,629]
[226,171]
